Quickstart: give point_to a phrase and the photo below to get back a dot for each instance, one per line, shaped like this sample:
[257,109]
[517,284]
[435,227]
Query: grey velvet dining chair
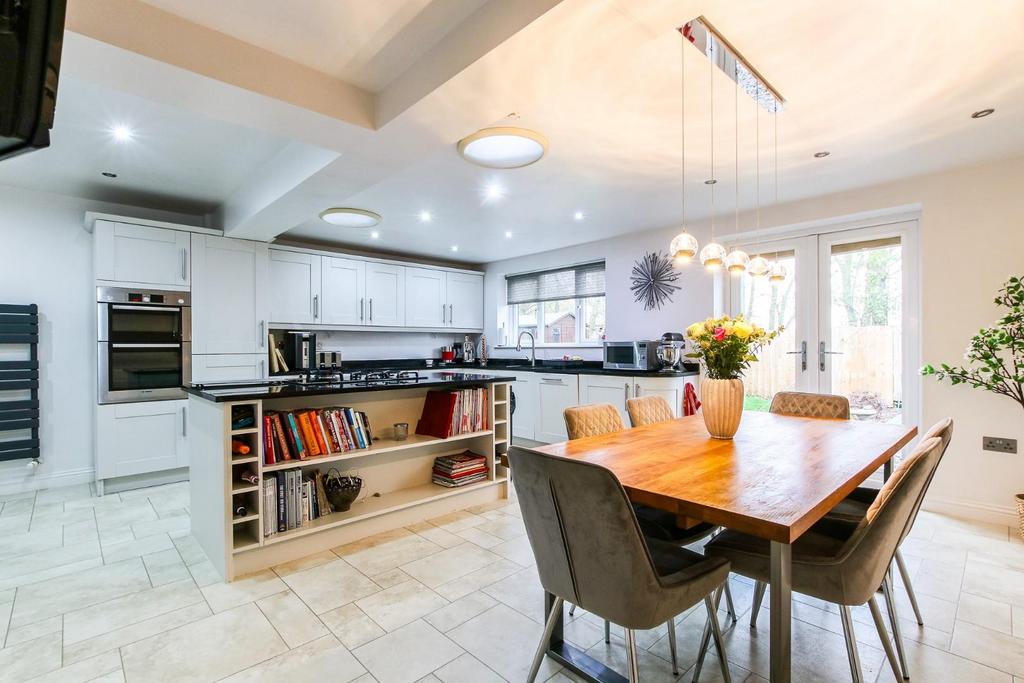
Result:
[590,552]
[843,565]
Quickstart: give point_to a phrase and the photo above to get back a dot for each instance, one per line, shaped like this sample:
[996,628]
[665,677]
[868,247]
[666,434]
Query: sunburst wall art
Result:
[654,280]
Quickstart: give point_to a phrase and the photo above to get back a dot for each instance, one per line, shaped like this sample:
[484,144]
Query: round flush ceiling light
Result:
[821,155]
[982,113]
[350,218]
[503,147]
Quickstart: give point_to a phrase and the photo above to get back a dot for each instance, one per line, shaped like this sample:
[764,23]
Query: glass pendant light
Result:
[736,261]
[777,273]
[758,266]
[684,245]
[712,256]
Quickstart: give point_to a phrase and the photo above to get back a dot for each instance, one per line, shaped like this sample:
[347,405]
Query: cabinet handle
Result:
[451,314]
[184,265]
[184,421]
[552,380]
[627,390]
[316,306]
[443,314]
[262,373]
[361,309]
[636,390]
[371,309]
[263,334]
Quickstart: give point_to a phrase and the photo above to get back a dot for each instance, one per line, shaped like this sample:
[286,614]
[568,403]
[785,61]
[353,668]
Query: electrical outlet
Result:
[998,444]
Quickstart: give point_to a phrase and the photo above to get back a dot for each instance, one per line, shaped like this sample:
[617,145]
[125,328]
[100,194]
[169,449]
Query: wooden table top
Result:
[776,478]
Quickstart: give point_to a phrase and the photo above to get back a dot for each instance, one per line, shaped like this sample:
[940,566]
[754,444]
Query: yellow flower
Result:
[742,330]
[695,330]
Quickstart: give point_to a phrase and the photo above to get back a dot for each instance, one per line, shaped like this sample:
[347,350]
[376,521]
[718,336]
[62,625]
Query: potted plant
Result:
[995,357]
[725,348]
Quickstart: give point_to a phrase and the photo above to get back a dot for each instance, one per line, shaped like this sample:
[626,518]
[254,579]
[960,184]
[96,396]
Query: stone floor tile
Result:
[518,550]
[459,612]
[386,551]
[324,659]
[165,567]
[126,610]
[510,654]
[133,633]
[475,580]
[424,649]
[467,669]
[984,612]
[306,562]
[441,537]
[991,648]
[29,659]
[115,552]
[456,521]
[294,621]
[51,627]
[449,564]
[223,596]
[330,585]
[397,606]
[92,669]
[351,625]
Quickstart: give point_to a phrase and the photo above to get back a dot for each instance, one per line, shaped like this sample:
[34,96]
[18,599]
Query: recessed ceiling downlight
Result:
[982,113]
[503,147]
[351,218]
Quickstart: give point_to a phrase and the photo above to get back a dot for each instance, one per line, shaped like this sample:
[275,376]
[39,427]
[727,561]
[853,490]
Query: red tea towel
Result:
[690,402]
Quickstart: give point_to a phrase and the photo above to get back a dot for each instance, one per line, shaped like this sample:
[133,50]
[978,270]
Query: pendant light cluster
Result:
[714,255]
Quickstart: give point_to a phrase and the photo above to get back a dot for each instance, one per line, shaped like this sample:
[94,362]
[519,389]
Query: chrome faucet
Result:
[533,346]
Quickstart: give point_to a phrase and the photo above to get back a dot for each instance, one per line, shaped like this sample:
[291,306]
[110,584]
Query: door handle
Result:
[263,334]
[822,353]
[184,421]
[803,355]
[371,309]
[184,265]
[627,391]
[316,306]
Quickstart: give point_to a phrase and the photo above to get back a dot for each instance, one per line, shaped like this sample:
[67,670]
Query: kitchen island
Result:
[229,517]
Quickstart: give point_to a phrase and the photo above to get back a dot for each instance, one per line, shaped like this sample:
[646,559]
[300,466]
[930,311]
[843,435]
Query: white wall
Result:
[972,240]
[46,259]
[626,319]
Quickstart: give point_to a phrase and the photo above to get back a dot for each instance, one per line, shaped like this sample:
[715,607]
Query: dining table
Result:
[774,479]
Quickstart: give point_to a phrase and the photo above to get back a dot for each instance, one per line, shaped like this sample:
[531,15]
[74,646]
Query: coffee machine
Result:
[670,351]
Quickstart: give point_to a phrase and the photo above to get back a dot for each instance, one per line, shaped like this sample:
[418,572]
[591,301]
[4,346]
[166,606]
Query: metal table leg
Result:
[574,659]
[781,611]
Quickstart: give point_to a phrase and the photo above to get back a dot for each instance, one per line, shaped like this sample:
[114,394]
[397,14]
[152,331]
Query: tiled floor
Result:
[115,589]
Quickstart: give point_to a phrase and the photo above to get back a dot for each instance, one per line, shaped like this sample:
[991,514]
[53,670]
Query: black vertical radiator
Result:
[19,325]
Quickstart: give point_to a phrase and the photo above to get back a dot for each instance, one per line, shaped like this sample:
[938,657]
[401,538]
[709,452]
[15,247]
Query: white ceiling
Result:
[886,87]
[367,43]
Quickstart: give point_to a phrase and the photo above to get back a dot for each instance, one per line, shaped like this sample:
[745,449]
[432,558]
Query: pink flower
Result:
[719,333]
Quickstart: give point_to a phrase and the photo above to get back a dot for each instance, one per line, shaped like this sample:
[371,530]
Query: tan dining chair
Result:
[646,410]
[591,552]
[803,404]
[836,564]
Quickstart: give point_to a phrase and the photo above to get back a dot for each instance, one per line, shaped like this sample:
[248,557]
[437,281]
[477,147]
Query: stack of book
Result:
[297,497]
[459,470]
[450,413]
[302,434]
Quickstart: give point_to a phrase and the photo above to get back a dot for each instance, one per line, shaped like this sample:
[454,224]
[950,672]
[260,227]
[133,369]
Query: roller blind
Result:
[572,282]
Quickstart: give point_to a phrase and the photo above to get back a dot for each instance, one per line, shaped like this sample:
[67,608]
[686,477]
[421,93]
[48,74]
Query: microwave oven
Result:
[631,355]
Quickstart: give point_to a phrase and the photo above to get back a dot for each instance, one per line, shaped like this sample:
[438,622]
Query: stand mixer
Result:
[670,351]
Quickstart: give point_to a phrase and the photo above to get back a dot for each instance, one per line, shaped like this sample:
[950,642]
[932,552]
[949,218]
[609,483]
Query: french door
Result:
[848,307]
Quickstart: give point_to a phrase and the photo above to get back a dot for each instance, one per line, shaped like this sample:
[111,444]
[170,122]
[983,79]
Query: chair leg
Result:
[631,661]
[894,620]
[883,635]
[542,647]
[910,588]
[705,639]
[572,610]
[716,631]
[851,644]
[672,645]
[759,589]
[607,631]
[730,607]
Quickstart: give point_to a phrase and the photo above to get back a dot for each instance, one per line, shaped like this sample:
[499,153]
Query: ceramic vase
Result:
[722,406]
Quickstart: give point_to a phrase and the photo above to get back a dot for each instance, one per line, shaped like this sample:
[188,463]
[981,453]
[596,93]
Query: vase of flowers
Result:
[725,348]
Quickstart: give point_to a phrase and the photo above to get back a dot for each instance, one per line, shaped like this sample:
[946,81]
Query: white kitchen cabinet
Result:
[229,367]
[141,254]
[465,295]
[669,388]
[385,295]
[425,301]
[229,312]
[524,419]
[294,287]
[343,291]
[612,389]
[138,438]
[555,393]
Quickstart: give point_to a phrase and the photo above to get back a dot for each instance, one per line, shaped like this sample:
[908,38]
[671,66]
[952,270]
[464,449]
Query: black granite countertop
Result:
[290,388]
[586,367]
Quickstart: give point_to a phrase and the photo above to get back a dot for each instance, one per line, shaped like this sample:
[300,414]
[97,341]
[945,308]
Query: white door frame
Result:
[812,243]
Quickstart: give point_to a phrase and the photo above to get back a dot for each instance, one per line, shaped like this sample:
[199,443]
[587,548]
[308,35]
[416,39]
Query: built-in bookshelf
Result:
[397,487]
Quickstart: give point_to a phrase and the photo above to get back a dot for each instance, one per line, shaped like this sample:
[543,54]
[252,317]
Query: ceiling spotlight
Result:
[578,216]
[493,191]
[374,235]
[425,216]
[710,181]
[503,147]
[821,155]
[508,234]
[350,218]
[108,174]
[982,114]
[455,247]
[122,133]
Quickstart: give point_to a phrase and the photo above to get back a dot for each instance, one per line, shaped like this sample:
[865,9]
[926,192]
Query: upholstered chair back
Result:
[802,404]
[594,420]
[645,410]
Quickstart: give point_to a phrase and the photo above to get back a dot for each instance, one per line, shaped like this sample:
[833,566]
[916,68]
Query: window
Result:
[561,307]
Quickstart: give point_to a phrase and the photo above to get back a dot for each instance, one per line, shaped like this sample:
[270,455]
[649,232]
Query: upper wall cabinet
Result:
[343,291]
[385,294]
[425,302]
[294,287]
[465,293]
[228,295]
[141,254]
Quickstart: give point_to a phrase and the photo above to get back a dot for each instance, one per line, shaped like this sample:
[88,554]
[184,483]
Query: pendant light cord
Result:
[711,90]
[682,128]
[736,141]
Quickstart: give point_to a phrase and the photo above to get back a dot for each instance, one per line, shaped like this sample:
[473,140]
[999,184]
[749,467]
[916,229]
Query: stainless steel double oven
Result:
[144,344]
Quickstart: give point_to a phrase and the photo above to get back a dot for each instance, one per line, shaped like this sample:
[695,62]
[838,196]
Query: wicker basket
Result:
[1019,499]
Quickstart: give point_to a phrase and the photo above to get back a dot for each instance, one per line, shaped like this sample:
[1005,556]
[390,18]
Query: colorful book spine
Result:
[308,440]
[293,430]
[268,441]
[283,451]
[314,425]
[282,524]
